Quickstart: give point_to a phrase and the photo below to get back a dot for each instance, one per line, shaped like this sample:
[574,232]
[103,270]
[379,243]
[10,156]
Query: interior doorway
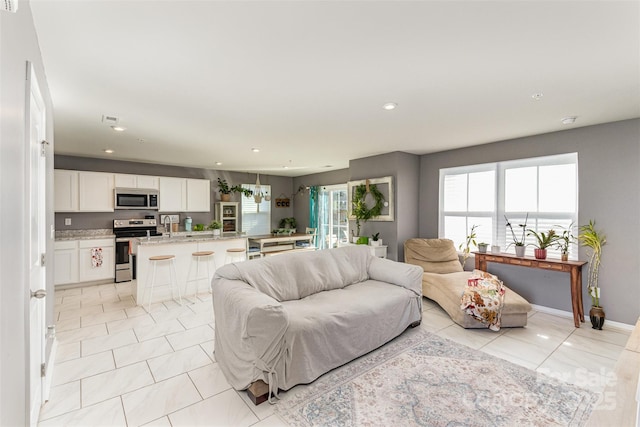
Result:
[36,182]
[333,224]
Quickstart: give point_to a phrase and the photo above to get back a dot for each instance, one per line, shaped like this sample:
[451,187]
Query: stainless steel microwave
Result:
[136,198]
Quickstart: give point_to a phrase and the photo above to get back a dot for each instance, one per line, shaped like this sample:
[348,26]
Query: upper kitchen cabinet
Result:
[95,191]
[185,195]
[137,181]
[173,194]
[65,190]
[198,195]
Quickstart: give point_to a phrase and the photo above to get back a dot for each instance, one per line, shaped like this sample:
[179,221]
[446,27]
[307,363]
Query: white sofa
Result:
[286,320]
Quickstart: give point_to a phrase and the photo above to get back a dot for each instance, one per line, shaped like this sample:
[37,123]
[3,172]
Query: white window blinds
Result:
[256,217]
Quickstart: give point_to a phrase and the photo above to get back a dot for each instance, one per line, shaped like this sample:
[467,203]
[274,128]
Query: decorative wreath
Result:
[360,209]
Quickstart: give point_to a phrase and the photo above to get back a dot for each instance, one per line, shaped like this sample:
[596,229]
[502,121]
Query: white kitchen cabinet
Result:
[198,195]
[173,194]
[65,262]
[96,191]
[65,190]
[137,181]
[86,269]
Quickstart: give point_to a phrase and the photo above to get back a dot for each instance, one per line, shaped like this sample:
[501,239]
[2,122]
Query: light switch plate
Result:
[67,221]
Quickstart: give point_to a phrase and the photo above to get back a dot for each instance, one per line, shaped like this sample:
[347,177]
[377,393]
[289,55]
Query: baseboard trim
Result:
[568,314]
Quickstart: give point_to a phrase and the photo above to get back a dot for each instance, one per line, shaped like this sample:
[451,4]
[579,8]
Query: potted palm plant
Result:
[543,241]
[594,240]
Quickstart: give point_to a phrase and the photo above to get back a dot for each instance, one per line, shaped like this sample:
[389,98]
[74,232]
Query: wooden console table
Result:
[572,267]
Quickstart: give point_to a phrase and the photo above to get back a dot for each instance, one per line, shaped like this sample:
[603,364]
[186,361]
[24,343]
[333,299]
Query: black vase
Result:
[596,314]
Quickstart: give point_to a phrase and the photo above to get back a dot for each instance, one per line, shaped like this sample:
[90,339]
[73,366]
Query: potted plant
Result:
[216,226]
[288,224]
[225,190]
[518,243]
[564,241]
[361,211]
[376,240]
[543,241]
[594,240]
[465,246]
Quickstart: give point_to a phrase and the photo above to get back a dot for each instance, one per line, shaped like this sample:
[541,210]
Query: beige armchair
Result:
[444,280]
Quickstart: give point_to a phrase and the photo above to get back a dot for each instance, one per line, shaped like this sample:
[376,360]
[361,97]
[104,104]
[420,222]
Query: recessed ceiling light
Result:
[568,120]
[218,163]
[108,150]
[390,106]
[537,96]
[118,128]
[255,150]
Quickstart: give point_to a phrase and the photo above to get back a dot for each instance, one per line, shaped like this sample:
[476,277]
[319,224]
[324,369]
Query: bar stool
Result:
[168,260]
[196,257]
[235,254]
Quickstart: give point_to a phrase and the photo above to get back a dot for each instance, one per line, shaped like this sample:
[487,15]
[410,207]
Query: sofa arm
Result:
[397,273]
[249,330]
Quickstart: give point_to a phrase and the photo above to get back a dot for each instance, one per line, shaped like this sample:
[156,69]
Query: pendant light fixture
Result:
[257,191]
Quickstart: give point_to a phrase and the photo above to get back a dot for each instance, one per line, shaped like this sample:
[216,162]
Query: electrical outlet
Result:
[67,221]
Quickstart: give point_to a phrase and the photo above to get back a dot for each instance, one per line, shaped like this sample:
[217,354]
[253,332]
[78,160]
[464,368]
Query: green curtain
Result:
[314,207]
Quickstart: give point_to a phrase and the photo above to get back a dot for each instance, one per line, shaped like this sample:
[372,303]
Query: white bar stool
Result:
[169,261]
[235,254]
[196,257]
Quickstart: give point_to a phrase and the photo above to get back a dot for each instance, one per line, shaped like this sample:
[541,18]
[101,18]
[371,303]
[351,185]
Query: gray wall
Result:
[405,168]
[609,183]
[301,200]
[18,44]
[83,220]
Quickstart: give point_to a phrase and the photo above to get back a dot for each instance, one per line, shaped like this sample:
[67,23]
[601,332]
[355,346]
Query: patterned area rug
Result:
[420,379]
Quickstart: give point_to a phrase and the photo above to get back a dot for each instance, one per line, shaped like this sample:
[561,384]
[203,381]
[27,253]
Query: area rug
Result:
[420,379]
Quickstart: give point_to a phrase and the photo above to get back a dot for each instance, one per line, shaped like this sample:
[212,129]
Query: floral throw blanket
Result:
[483,298]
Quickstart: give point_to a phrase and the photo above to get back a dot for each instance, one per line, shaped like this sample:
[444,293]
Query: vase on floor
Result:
[540,253]
[520,251]
[596,315]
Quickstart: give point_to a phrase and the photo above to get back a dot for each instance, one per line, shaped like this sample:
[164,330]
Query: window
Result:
[256,217]
[546,188]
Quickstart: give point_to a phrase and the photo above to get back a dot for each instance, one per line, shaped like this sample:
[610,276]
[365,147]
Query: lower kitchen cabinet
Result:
[65,262]
[74,261]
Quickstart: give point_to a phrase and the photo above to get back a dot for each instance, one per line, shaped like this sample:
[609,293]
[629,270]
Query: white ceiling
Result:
[305,81]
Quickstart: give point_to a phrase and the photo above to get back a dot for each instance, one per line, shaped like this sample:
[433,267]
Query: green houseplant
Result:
[225,190]
[375,239]
[465,246]
[543,241]
[216,226]
[518,243]
[361,211]
[594,240]
[564,241]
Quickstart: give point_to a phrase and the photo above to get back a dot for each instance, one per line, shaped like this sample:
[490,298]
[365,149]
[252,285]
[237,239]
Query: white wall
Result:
[18,44]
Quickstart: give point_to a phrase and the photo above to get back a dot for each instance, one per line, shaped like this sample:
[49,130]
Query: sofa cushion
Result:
[433,255]
[286,278]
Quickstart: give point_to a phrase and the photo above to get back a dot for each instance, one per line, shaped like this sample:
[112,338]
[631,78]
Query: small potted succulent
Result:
[375,240]
[482,247]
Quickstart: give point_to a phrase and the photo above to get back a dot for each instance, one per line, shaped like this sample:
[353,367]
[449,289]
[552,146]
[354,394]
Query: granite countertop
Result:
[185,237]
[97,233]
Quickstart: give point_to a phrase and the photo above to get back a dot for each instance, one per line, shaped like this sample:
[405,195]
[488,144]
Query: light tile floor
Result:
[117,365]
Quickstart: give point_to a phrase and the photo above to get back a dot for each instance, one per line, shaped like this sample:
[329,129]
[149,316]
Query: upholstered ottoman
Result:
[444,280]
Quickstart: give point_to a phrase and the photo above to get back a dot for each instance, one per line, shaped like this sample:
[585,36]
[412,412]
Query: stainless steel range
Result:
[126,230]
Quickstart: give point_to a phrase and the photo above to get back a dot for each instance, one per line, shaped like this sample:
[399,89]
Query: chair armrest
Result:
[249,327]
[397,273]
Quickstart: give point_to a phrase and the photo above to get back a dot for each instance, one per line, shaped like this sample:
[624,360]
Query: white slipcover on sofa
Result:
[288,319]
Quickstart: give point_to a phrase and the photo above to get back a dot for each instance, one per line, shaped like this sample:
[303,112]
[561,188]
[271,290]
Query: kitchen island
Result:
[182,246]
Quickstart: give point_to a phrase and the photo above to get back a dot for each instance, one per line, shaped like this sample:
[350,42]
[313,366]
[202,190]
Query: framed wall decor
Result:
[384,187]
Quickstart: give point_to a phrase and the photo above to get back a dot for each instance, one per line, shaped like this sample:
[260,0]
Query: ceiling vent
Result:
[110,120]
[10,5]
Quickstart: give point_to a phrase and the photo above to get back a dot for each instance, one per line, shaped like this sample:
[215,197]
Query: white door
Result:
[37,245]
